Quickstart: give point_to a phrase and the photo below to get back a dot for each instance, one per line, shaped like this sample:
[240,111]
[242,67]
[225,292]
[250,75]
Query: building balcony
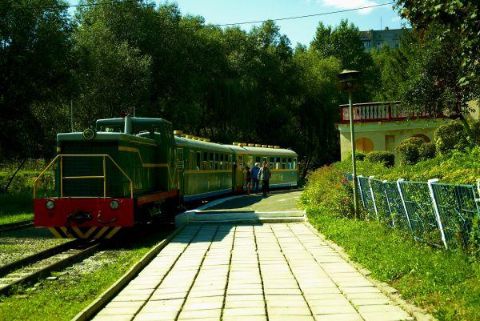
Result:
[378,111]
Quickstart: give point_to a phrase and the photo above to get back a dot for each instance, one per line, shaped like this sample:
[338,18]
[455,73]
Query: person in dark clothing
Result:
[255,170]
[248,179]
[264,176]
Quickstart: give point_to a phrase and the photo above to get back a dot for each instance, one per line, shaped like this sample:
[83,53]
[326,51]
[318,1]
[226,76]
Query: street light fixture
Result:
[348,83]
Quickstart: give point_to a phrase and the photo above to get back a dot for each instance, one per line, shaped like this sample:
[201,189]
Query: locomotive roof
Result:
[136,121]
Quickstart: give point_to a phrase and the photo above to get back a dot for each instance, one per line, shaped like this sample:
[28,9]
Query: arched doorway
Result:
[364,145]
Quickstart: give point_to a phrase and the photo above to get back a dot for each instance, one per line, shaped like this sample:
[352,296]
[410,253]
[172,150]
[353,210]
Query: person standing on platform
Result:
[264,175]
[248,179]
[255,170]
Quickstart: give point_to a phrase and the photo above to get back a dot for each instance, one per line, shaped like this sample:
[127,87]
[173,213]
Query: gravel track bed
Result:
[18,244]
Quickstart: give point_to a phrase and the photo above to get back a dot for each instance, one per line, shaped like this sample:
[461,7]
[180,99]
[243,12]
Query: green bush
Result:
[475,128]
[359,156]
[413,140]
[327,188]
[408,153]
[383,157]
[451,136]
[427,151]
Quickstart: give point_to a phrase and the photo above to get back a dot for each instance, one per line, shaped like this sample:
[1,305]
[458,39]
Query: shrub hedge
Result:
[382,157]
[451,136]
[408,153]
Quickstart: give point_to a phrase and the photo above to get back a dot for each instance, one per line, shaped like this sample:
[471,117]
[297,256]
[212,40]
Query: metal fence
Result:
[433,212]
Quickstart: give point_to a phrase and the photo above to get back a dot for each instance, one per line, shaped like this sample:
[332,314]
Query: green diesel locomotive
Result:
[131,169]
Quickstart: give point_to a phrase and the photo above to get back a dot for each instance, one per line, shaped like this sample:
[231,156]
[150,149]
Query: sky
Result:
[298,30]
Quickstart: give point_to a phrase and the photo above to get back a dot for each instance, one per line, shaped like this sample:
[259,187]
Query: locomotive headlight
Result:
[114,204]
[50,205]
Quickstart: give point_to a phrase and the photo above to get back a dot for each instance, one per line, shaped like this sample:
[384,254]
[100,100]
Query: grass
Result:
[446,284]
[16,207]
[75,288]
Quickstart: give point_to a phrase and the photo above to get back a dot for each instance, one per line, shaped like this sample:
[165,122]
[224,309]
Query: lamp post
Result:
[347,80]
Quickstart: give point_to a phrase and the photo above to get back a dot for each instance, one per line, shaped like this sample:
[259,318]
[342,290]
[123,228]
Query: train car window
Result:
[277,163]
[199,160]
[272,161]
[294,163]
[257,159]
[284,163]
[205,160]
[240,160]
[290,165]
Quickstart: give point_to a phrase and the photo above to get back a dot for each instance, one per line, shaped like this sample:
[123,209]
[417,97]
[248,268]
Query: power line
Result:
[304,16]
[80,5]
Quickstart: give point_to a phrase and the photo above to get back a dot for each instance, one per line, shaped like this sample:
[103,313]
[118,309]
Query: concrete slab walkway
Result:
[274,271]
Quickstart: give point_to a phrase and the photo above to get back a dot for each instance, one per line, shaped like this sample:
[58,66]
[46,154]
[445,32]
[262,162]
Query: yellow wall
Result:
[377,132]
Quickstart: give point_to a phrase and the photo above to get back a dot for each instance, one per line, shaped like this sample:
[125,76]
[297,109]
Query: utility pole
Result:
[347,80]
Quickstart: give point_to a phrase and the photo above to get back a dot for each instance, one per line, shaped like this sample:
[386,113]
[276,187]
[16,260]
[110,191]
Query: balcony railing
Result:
[378,111]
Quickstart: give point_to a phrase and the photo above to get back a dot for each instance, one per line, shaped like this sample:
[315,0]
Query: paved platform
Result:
[278,271]
[277,207]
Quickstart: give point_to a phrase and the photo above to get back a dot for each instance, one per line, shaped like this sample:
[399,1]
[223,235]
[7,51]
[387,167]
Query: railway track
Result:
[40,265]
[15,226]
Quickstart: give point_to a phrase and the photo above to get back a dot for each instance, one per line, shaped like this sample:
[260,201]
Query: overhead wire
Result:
[305,16]
[92,4]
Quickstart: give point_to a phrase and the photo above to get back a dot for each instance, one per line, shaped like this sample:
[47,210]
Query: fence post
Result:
[476,197]
[388,202]
[360,190]
[435,209]
[373,195]
[399,187]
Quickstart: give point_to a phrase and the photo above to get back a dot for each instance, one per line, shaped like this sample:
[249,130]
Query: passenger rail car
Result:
[131,170]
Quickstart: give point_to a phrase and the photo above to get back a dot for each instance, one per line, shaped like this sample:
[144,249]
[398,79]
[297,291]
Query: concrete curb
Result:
[93,308]
[196,216]
[418,313]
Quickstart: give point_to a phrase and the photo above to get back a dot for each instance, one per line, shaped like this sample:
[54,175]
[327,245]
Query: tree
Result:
[317,107]
[432,76]
[112,74]
[343,42]
[456,19]
[35,64]
[392,65]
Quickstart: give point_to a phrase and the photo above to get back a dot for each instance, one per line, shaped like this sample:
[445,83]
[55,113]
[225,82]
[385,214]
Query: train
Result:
[130,170]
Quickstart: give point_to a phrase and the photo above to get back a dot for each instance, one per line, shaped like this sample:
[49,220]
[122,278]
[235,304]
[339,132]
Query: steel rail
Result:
[7,268]
[45,271]
[15,226]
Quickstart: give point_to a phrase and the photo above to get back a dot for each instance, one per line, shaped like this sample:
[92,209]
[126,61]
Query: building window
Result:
[390,143]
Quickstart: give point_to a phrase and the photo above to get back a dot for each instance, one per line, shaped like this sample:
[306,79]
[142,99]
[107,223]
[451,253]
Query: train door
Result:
[180,166]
